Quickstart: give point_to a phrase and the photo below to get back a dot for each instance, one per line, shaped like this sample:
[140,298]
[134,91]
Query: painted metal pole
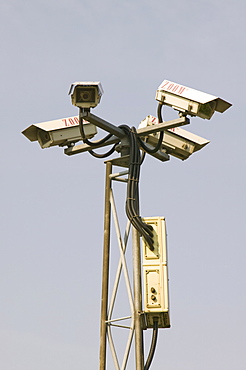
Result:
[137,288]
[105,268]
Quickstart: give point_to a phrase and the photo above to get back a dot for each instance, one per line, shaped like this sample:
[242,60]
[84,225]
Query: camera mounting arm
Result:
[105,125]
[109,127]
[119,133]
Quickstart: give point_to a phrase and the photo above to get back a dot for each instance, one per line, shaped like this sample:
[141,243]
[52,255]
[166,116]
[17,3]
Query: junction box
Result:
[155,276]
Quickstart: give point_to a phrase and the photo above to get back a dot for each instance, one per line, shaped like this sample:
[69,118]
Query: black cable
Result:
[111,151]
[143,157]
[132,198]
[153,344]
[86,141]
[159,115]
[98,142]
[95,143]
[161,135]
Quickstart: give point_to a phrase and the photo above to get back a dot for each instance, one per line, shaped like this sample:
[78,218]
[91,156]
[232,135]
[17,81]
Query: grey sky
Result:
[52,205]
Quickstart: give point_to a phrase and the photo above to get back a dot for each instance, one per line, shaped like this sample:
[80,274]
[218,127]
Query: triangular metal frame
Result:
[121,271]
[108,303]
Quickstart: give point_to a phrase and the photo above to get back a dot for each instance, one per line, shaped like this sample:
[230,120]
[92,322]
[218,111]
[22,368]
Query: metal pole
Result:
[137,286]
[105,268]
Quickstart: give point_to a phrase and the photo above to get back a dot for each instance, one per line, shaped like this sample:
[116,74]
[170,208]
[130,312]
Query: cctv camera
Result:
[176,141]
[86,94]
[64,131]
[190,101]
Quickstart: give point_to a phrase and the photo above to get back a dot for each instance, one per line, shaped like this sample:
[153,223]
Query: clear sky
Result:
[52,204]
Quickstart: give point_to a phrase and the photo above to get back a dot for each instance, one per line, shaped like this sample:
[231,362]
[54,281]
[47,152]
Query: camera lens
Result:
[44,139]
[85,94]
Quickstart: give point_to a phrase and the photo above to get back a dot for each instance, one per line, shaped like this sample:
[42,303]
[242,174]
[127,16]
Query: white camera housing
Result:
[86,94]
[64,131]
[190,101]
[176,141]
